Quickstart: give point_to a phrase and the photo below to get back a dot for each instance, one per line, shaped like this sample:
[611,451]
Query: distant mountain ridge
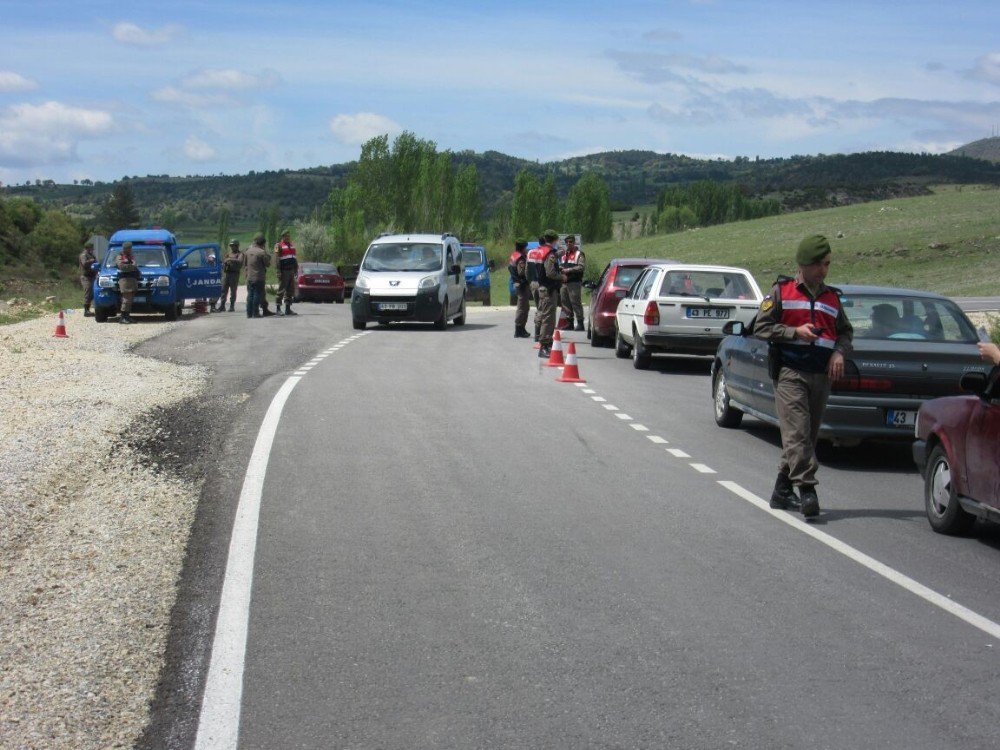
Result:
[635,178]
[985,148]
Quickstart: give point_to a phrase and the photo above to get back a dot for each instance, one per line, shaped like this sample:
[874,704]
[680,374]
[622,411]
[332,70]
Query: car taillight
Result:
[612,276]
[652,315]
[863,384]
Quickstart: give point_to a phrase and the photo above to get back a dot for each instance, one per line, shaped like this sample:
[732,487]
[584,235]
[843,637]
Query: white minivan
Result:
[410,278]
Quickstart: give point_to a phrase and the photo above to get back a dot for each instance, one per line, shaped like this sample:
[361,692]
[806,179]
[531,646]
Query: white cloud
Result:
[197,150]
[11,81]
[354,130]
[130,33]
[987,69]
[47,133]
[174,95]
[230,80]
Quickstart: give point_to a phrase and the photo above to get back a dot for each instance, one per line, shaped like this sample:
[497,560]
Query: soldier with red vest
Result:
[517,267]
[287,267]
[550,278]
[810,336]
[533,263]
[571,294]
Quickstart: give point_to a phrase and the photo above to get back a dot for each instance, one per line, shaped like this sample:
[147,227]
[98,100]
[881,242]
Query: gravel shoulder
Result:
[93,529]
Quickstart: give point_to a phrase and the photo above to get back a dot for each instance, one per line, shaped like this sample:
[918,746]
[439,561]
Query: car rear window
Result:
[714,284]
[318,268]
[894,317]
[473,257]
[626,275]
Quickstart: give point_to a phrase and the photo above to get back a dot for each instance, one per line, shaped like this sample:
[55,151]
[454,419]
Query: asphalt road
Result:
[455,550]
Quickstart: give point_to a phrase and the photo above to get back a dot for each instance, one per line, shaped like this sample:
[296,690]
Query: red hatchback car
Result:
[607,291]
[958,452]
[319,282]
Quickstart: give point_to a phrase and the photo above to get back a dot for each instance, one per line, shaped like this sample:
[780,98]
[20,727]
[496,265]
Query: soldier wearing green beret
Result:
[288,266]
[231,266]
[517,267]
[87,275]
[128,281]
[810,336]
[550,279]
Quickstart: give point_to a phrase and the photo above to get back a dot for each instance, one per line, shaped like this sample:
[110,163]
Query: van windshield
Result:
[404,256]
[144,256]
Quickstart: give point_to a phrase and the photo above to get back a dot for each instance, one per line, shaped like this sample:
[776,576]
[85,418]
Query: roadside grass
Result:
[948,242]
[65,291]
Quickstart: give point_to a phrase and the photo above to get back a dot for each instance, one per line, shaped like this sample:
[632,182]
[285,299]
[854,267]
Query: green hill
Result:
[987,149]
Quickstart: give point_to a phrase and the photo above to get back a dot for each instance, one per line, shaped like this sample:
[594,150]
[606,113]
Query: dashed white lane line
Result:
[598,399]
[701,468]
[639,427]
[610,407]
[219,720]
[657,439]
[965,614]
[677,453]
[623,415]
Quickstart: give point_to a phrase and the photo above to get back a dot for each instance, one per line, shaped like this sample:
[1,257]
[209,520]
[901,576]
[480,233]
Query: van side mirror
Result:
[182,266]
[456,269]
[95,266]
[733,328]
[491,264]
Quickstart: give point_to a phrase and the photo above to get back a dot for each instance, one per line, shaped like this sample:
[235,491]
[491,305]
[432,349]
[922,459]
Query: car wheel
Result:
[442,322]
[359,325]
[640,354]
[622,349]
[944,512]
[460,319]
[725,414]
[100,314]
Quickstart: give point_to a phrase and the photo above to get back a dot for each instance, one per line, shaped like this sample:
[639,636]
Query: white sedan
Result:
[675,308]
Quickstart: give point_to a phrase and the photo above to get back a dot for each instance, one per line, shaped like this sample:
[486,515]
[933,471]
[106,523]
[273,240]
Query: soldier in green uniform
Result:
[87,274]
[517,267]
[810,336]
[231,265]
[128,281]
[549,280]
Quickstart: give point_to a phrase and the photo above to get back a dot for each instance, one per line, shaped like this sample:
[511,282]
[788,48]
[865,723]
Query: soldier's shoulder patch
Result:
[766,304]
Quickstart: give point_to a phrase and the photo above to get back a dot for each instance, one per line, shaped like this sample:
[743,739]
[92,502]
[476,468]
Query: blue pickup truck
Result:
[477,273]
[171,274]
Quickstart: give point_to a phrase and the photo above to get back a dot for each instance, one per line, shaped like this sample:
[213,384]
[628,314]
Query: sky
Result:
[100,90]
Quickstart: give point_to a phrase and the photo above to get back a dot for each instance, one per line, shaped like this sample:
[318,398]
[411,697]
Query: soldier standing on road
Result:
[549,280]
[517,267]
[808,330]
[288,265]
[255,261]
[231,265]
[87,274]
[211,262]
[128,281]
[533,262]
[571,294]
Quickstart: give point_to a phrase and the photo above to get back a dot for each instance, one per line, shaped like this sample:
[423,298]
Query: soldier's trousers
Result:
[800,399]
[87,284]
[546,314]
[523,305]
[286,286]
[533,288]
[229,283]
[571,297]
[127,302]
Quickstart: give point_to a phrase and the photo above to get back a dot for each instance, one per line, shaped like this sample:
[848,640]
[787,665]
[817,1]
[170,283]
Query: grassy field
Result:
[948,242]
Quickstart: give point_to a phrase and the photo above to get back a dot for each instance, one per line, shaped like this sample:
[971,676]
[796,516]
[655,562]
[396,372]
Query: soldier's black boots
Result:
[232,307]
[783,497]
[289,311]
[544,352]
[538,330]
[266,312]
[125,318]
[810,503]
[520,332]
[579,325]
[86,311]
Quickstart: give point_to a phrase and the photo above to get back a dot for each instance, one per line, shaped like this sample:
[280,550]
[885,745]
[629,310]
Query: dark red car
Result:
[319,282]
[958,452]
[605,294]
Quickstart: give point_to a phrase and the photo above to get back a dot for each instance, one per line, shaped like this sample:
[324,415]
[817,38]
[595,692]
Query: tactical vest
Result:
[534,263]
[127,269]
[286,256]
[572,259]
[232,263]
[798,308]
[517,258]
[543,278]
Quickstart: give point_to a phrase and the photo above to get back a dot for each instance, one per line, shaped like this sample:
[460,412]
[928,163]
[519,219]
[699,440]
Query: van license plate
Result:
[392,306]
[139,299]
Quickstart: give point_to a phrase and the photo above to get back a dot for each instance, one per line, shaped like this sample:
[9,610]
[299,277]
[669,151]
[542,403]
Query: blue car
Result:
[477,273]
[171,273]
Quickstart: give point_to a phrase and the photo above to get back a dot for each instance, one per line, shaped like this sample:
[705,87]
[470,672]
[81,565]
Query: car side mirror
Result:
[491,264]
[95,266]
[456,269]
[733,328]
[591,285]
[182,266]
[973,382]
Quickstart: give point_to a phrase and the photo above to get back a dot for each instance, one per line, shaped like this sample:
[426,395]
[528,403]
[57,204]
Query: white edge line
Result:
[963,613]
[219,720]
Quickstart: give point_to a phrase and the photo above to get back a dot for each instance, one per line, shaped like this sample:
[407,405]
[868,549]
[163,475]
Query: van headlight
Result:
[105,282]
[361,283]
[428,282]
[481,276]
[161,281]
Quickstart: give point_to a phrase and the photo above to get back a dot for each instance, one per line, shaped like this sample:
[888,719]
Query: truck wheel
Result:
[359,325]
[100,314]
[725,415]
[945,514]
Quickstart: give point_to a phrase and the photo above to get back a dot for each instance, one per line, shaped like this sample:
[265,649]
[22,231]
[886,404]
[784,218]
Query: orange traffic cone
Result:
[564,320]
[61,327]
[570,373]
[555,353]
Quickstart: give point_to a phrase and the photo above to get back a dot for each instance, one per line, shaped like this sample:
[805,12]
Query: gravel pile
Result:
[92,532]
